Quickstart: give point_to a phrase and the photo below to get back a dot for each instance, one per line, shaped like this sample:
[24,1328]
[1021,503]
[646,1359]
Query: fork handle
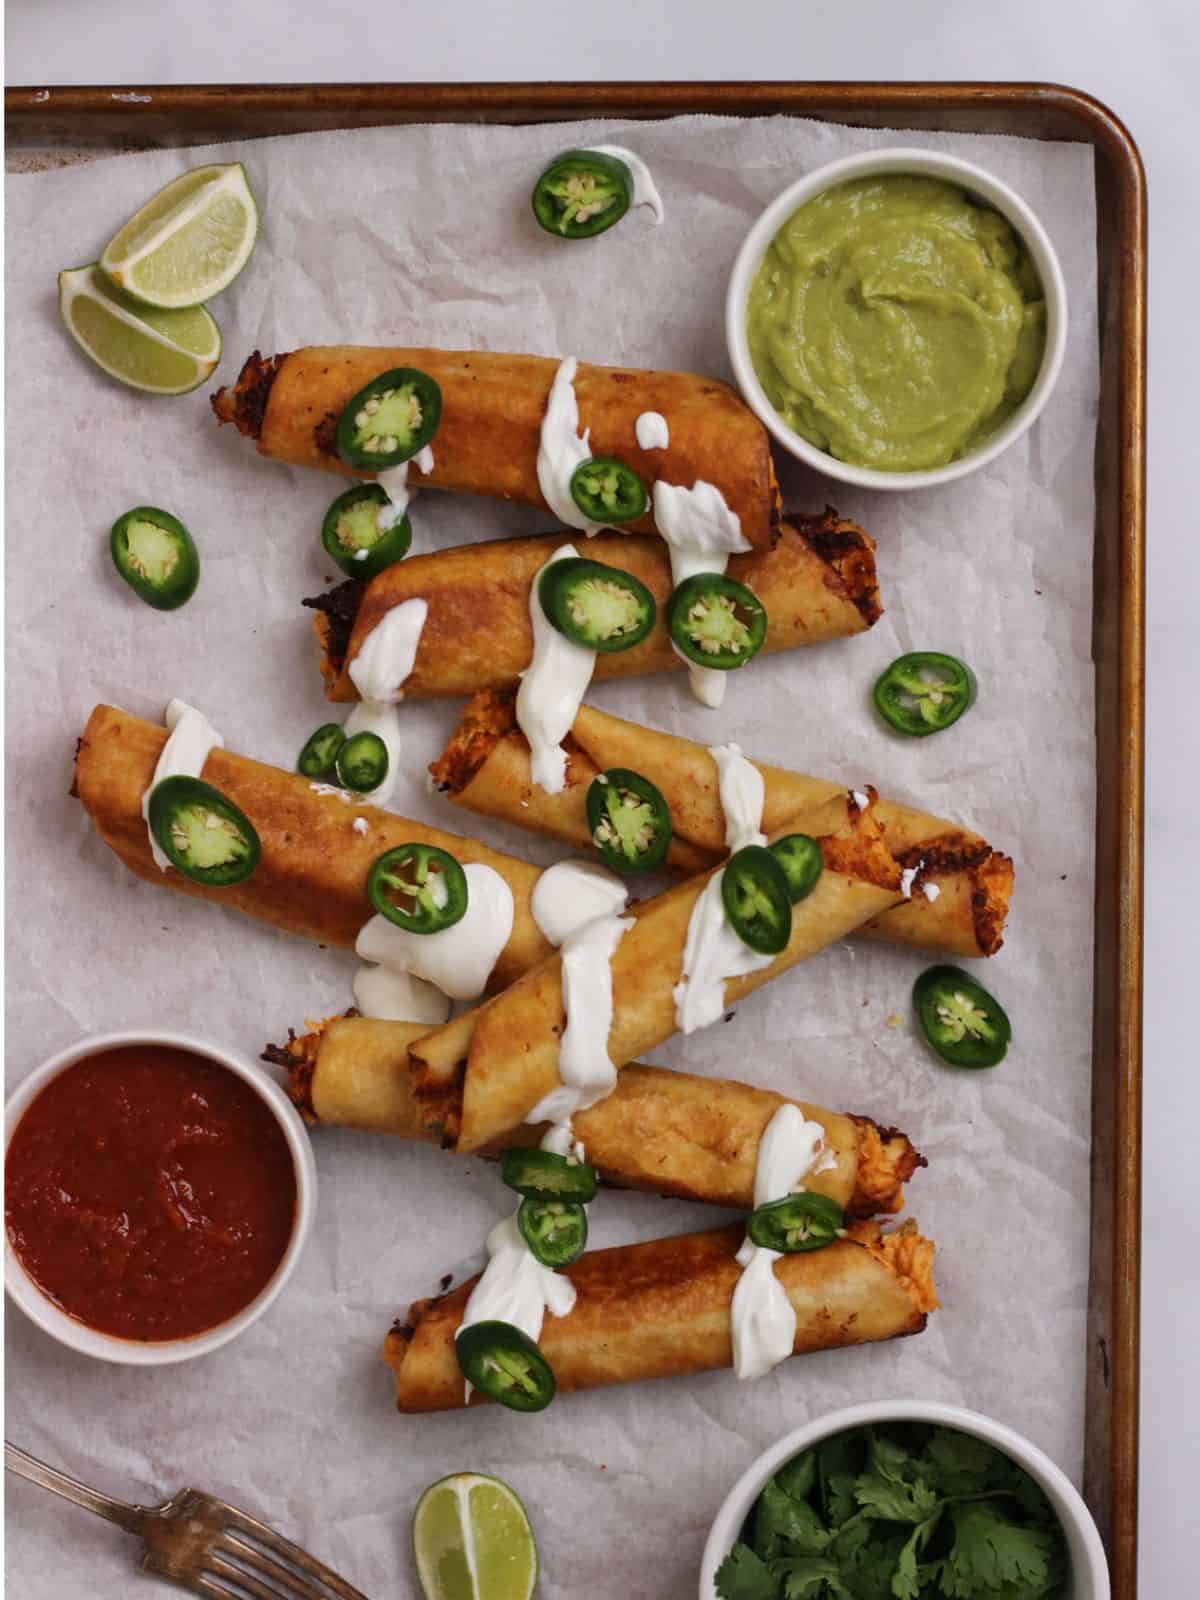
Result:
[132,1518]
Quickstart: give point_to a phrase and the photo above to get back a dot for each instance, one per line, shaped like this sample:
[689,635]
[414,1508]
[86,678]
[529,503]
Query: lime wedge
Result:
[472,1541]
[161,352]
[189,242]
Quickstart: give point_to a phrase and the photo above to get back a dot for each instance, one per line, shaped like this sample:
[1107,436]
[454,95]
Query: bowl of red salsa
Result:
[158,1194]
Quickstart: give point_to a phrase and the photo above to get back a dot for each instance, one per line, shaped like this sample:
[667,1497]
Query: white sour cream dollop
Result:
[457,960]
[379,672]
[713,952]
[394,483]
[584,1066]
[651,431]
[399,997]
[763,1319]
[515,1287]
[571,893]
[701,533]
[552,689]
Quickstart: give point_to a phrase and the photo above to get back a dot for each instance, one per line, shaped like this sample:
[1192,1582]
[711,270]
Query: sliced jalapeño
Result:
[797,1223]
[629,821]
[582,193]
[156,556]
[716,621]
[353,537]
[555,1230]
[966,1025]
[800,856]
[389,420]
[319,755]
[608,491]
[202,834]
[599,607]
[418,887]
[754,892]
[924,692]
[362,762]
[545,1175]
[505,1364]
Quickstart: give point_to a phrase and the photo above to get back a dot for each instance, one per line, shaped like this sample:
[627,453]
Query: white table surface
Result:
[1139,60]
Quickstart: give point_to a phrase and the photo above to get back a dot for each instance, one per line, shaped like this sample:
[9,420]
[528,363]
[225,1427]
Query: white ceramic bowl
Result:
[924,163]
[1089,1569]
[24,1292]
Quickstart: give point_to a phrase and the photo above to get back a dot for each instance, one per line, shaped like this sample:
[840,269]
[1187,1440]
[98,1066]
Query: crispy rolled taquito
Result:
[662,1310]
[490,430]
[485,767]
[311,878]
[668,1132]
[817,584]
[482,1073]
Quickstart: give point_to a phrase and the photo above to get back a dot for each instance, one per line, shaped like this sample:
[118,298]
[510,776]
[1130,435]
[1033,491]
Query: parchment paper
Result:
[423,235]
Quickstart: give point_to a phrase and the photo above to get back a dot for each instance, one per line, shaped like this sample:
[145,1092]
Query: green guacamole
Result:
[896,323]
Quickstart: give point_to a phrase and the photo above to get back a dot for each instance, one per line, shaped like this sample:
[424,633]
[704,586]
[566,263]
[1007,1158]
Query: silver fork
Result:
[201,1543]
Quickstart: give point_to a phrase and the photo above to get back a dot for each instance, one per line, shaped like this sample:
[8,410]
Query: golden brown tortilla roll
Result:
[508,1047]
[662,1310]
[667,1132]
[485,767]
[492,410]
[312,875]
[817,584]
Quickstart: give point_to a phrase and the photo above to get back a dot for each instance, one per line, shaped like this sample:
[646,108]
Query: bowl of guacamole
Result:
[897,319]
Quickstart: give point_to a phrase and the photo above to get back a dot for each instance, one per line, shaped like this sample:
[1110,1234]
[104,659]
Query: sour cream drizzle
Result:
[763,1319]
[394,483]
[562,448]
[584,1067]
[552,689]
[712,952]
[651,431]
[515,1287]
[701,533]
[570,894]
[379,672]
[645,191]
[191,738]
[575,904]
[457,960]
[399,997]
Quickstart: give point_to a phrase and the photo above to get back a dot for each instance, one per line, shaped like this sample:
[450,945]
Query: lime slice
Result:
[162,352]
[189,242]
[472,1541]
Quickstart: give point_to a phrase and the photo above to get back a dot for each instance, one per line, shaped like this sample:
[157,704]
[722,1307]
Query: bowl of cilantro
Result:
[906,1499]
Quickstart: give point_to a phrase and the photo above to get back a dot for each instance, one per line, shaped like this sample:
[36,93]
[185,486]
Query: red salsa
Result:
[150,1193]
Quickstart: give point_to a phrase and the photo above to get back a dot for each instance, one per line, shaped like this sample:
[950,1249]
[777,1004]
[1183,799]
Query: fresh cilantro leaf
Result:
[799,1477]
[745,1576]
[840,1504]
[805,1577]
[990,1552]
[868,1560]
[964,1464]
[783,1526]
[839,1460]
[906,1580]
[890,1460]
[894,1499]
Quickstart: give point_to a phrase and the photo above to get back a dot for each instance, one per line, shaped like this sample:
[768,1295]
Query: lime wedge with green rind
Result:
[472,1541]
[159,352]
[189,241]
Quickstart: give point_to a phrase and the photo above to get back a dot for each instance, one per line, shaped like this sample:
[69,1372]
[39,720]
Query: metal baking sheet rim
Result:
[50,126]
